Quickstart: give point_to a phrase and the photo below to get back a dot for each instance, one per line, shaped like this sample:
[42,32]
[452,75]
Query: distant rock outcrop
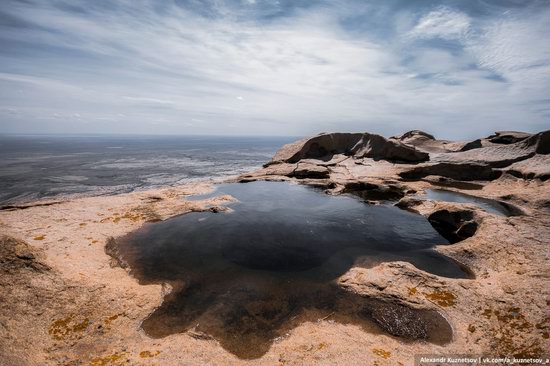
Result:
[500,155]
[414,135]
[423,141]
[358,145]
[347,159]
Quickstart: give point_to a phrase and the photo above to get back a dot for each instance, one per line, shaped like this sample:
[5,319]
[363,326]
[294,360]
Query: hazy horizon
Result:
[455,69]
[126,134]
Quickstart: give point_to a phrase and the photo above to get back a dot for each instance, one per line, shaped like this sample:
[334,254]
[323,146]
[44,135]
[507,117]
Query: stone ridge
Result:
[341,157]
[359,145]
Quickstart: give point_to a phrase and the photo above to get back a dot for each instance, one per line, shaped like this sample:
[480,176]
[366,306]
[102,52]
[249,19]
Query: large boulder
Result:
[359,145]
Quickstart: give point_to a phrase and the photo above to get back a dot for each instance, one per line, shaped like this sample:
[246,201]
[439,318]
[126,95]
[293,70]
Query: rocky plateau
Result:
[66,300]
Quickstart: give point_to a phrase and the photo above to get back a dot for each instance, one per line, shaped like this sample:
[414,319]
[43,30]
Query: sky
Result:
[457,69]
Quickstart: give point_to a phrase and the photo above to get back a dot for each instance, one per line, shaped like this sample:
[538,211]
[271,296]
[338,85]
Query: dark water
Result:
[491,206]
[34,167]
[248,276]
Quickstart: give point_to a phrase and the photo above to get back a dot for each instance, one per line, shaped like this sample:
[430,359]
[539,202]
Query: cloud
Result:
[286,67]
[514,46]
[442,23]
[149,100]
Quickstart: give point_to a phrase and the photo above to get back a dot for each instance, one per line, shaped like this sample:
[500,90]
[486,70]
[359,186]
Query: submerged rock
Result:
[402,321]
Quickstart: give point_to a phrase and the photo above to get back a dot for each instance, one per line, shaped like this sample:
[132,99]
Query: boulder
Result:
[359,145]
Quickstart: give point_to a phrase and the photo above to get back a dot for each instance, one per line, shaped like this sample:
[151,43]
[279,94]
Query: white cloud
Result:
[442,23]
[515,47]
[148,100]
[300,74]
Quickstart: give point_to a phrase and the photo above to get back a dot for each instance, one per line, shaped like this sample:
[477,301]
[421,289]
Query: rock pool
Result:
[250,275]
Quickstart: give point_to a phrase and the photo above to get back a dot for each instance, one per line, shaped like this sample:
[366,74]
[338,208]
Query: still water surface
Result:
[247,275]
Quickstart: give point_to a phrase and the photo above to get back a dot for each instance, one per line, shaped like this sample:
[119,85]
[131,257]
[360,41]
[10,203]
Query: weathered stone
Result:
[476,144]
[537,167]
[458,171]
[505,294]
[499,155]
[308,170]
[414,134]
[273,169]
[454,226]
[371,191]
[508,137]
[540,142]
[325,146]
